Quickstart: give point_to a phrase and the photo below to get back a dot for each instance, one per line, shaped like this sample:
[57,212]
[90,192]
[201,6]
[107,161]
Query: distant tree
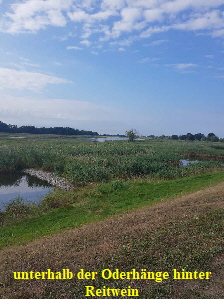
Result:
[33,130]
[198,136]
[3,127]
[189,136]
[175,137]
[183,137]
[131,134]
[212,137]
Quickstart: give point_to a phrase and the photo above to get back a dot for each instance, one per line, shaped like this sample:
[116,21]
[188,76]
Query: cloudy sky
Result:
[111,65]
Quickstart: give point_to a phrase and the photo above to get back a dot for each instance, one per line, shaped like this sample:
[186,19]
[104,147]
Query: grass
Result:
[95,203]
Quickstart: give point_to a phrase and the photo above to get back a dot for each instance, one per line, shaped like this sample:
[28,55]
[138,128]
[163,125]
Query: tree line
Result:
[52,130]
[199,136]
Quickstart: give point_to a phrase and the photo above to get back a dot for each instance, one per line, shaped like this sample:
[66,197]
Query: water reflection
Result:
[103,139]
[187,162]
[26,186]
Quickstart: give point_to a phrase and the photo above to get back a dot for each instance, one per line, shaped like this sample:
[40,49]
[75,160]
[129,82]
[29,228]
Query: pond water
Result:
[187,162]
[103,139]
[28,187]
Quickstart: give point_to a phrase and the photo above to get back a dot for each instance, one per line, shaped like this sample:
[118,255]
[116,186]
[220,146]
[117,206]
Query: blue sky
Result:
[111,65]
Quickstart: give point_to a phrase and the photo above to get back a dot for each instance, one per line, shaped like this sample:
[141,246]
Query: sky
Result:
[112,65]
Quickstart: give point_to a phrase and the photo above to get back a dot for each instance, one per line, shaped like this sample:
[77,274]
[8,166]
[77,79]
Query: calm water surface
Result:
[103,139]
[187,162]
[24,185]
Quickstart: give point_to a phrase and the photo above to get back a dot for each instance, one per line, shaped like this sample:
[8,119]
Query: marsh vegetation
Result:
[107,177]
[84,162]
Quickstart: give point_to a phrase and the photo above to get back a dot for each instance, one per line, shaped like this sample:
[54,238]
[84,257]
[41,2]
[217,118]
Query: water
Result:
[187,162]
[103,139]
[30,188]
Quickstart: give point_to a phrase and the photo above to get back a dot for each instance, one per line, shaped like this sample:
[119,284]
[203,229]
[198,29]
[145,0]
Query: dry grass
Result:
[183,233]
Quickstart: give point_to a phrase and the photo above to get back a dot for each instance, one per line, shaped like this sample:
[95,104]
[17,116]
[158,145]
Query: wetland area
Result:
[141,183]
[70,162]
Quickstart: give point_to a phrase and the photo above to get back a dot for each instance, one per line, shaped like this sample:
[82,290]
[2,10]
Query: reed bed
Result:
[84,162]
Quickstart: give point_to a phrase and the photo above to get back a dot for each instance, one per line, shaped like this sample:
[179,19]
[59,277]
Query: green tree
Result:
[189,136]
[131,134]
[212,137]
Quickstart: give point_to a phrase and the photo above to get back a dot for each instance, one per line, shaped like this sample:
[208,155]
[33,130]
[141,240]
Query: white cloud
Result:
[24,80]
[23,64]
[153,15]
[86,42]
[94,52]
[62,112]
[113,4]
[153,30]
[79,16]
[124,42]
[33,15]
[209,20]
[22,58]
[34,109]
[145,60]
[64,37]
[113,18]
[221,77]
[129,21]
[158,42]
[209,56]
[73,48]
[57,63]
[121,50]
[181,66]
[218,33]
[31,64]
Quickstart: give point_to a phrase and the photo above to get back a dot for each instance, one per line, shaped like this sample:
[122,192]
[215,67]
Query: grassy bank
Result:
[96,202]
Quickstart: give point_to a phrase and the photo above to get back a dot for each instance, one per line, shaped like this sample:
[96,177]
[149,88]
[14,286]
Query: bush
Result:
[16,208]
